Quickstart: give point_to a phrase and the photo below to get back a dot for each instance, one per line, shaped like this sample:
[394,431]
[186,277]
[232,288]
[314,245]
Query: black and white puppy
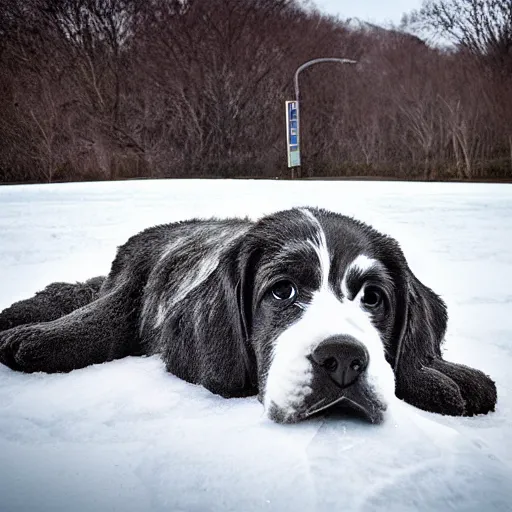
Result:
[306,308]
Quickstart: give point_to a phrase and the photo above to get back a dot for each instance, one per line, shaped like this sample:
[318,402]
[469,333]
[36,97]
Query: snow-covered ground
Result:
[128,436]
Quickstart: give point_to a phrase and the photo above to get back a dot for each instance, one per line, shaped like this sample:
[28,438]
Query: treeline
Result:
[110,89]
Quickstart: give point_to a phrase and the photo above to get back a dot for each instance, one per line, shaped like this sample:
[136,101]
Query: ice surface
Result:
[128,436]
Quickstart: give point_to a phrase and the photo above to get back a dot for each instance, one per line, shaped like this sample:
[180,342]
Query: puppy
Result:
[305,308]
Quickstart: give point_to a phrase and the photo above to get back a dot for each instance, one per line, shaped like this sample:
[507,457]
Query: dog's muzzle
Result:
[340,380]
[339,365]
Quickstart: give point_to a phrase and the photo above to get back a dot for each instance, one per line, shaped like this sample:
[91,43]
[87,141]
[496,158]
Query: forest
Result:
[119,89]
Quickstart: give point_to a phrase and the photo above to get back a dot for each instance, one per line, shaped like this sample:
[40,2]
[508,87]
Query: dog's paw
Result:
[9,345]
[477,389]
[20,349]
[432,391]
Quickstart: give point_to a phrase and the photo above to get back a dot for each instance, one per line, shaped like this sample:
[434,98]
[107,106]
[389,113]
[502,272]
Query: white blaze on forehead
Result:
[319,244]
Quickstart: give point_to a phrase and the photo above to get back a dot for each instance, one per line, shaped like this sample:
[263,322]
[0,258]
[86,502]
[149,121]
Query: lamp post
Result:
[293,112]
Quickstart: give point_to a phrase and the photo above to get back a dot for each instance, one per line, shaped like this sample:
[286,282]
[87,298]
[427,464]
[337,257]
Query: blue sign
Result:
[292,133]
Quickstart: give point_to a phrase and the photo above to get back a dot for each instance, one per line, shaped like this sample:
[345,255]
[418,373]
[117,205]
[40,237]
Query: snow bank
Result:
[128,436]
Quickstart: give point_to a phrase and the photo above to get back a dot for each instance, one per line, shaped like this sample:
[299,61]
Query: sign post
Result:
[293,115]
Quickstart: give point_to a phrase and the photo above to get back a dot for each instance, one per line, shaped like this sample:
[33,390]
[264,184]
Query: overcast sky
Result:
[376,11]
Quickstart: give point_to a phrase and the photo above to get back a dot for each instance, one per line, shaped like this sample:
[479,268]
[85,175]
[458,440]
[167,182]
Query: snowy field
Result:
[127,436]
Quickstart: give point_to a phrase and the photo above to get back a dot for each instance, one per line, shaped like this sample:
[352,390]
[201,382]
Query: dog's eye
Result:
[284,290]
[372,297]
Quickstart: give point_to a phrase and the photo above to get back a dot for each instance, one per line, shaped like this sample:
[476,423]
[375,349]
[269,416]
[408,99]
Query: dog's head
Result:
[325,305]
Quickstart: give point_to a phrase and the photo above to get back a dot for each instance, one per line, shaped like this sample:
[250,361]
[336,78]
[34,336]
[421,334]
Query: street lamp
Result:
[293,112]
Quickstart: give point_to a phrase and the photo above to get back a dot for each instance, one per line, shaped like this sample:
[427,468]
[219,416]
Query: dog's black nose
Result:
[343,358]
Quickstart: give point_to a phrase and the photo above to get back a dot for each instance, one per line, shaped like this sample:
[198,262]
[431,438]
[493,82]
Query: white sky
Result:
[376,11]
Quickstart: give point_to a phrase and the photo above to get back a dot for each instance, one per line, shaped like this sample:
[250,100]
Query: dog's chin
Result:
[362,401]
[358,400]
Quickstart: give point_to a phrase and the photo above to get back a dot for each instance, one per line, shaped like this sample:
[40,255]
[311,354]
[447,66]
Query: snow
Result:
[128,436]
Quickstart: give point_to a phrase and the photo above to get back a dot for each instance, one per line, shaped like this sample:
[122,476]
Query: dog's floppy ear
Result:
[208,330]
[423,377]
[423,326]
[247,261]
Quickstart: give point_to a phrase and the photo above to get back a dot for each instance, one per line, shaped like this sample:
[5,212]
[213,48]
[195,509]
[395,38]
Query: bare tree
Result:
[483,27]
[109,89]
